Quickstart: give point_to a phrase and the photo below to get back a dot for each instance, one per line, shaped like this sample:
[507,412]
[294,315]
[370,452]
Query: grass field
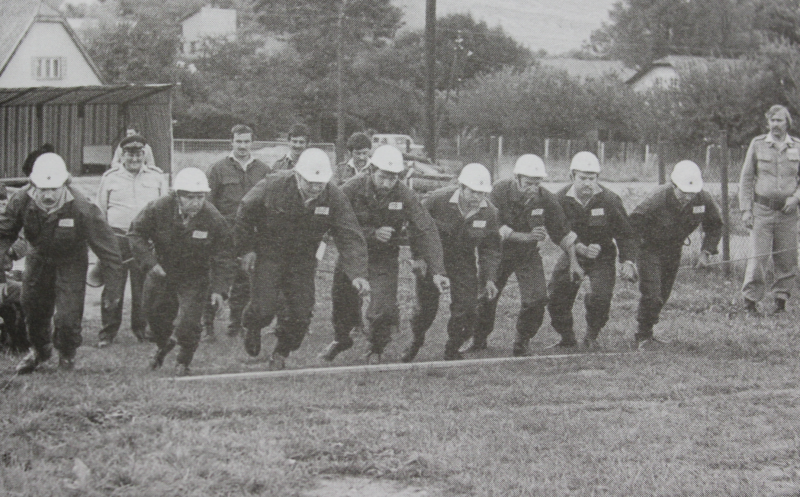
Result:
[717,413]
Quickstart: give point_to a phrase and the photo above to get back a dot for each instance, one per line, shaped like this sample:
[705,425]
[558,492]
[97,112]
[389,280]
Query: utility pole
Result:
[340,121]
[430,78]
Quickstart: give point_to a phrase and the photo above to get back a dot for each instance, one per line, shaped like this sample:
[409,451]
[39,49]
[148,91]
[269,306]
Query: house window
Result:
[49,68]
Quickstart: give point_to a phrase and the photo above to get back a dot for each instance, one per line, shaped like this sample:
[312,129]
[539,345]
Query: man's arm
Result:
[223,262]
[424,235]
[747,180]
[347,235]
[102,196]
[712,225]
[251,209]
[140,234]
[11,219]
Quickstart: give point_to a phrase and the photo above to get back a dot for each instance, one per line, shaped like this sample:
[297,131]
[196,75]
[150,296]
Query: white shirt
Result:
[123,194]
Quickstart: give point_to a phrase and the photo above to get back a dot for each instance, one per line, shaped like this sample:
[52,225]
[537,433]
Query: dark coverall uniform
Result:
[398,208]
[193,255]
[274,222]
[602,221]
[229,183]
[662,225]
[523,212]
[54,281]
[460,237]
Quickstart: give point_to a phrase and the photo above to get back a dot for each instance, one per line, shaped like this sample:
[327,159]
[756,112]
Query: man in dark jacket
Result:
[230,179]
[384,207]
[192,252]
[466,221]
[279,226]
[527,213]
[663,221]
[298,141]
[59,224]
[598,218]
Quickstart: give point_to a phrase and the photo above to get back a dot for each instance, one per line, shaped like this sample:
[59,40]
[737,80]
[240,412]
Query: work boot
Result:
[411,351]
[750,307]
[182,370]
[208,333]
[158,360]
[650,344]
[335,348]
[474,346]
[451,352]
[32,359]
[252,342]
[591,344]
[139,334]
[66,362]
[564,344]
[277,362]
[780,306]
[520,347]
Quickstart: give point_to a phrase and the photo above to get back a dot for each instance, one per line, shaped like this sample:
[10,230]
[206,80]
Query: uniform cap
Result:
[476,177]
[314,165]
[388,158]
[49,171]
[192,180]
[585,162]
[687,177]
[530,165]
[133,142]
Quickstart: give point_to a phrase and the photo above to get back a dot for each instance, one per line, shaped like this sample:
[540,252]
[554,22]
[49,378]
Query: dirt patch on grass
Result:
[364,487]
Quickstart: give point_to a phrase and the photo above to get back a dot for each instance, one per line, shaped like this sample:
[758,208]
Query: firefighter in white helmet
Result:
[192,257]
[466,221]
[528,213]
[662,222]
[384,207]
[279,226]
[598,217]
[59,224]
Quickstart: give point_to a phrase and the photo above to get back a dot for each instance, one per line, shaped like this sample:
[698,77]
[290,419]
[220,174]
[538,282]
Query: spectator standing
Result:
[298,142]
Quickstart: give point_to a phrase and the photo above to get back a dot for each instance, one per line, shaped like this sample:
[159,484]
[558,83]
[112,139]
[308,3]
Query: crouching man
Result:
[192,249]
[279,226]
[663,221]
[59,224]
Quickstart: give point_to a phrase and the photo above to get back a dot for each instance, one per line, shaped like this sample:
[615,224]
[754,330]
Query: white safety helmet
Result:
[191,180]
[530,165]
[585,162]
[49,171]
[314,165]
[476,177]
[388,158]
[687,177]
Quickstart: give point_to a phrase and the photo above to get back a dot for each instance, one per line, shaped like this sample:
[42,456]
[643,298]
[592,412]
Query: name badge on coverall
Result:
[200,235]
[395,206]
[479,223]
[66,223]
[699,209]
[537,217]
[322,211]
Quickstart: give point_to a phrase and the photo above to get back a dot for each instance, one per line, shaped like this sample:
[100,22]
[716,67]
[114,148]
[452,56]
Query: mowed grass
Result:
[716,413]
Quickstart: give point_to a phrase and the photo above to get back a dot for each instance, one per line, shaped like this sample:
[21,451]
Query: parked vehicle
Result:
[403,142]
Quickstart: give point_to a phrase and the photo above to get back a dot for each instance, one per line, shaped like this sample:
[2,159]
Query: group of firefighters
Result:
[253,234]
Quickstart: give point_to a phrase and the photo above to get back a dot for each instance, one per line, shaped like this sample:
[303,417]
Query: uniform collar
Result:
[571,193]
[787,140]
[454,200]
[244,165]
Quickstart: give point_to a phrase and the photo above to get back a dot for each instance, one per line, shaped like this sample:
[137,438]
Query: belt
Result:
[774,204]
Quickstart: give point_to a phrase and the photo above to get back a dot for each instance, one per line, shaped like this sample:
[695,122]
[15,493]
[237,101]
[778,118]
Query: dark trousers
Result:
[382,314]
[657,272]
[563,291]
[463,307]
[54,291]
[285,286]
[112,317]
[532,292]
[166,299]
[12,331]
[239,296]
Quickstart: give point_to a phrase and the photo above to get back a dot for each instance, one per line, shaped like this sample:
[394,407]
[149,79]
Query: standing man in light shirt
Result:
[359,147]
[123,193]
[768,198]
[230,179]
[116,161]
[298,141]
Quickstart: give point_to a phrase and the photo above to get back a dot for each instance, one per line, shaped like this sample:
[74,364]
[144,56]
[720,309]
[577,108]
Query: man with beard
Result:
[769,193]
[191,256]
[298,141]
[359,147]
[279,226]
[467,223]
[59,223]
[527,213]
[383,206]
[598,218]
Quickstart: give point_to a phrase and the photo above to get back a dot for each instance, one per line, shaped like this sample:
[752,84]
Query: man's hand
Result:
[157,270]
[628,272]
[505,231]
[384,234]
[442,282]
[704,261]
[248,262]
[790,205]
[362,286]
[592,251]
[539,233]
[576,272]
[217,301]
[419,267]
[747,219]
[491,290]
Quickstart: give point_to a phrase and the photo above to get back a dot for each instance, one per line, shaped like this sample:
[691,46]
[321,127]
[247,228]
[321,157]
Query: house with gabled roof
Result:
[39,48]
[589,70]
[666,72]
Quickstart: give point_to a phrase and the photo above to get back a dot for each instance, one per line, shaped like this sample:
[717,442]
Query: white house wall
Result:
[47,39]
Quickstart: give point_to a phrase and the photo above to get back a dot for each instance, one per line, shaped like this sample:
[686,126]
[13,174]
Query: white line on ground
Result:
[381,368]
